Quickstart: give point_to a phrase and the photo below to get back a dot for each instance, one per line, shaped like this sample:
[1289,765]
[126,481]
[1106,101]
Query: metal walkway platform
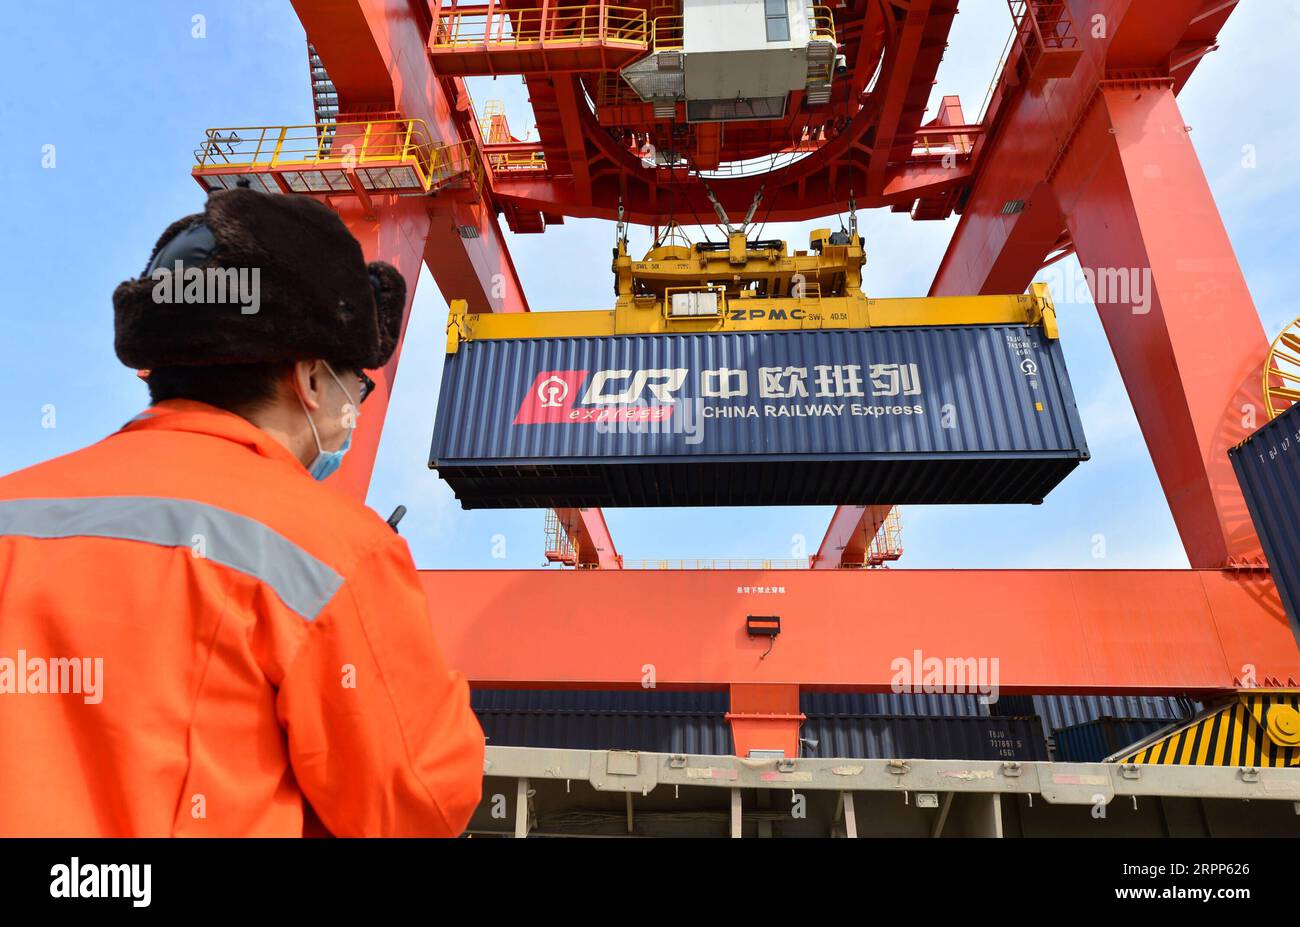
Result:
[542,792]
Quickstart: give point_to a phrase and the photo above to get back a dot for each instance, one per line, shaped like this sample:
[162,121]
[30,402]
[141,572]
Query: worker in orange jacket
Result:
[196,637]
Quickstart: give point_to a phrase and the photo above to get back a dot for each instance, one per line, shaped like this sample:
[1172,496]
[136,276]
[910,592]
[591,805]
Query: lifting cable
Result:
[771,202]
[687,196]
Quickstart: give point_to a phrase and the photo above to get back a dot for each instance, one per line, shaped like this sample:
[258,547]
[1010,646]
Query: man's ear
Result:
[305,380]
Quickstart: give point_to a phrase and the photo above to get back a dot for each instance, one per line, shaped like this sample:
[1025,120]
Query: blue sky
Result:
[124,98]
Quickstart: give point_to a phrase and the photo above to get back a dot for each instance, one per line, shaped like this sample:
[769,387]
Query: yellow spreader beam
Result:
[744,285]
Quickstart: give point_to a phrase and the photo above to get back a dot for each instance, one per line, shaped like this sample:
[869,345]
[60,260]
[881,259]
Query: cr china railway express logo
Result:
[610,396]
[552,392]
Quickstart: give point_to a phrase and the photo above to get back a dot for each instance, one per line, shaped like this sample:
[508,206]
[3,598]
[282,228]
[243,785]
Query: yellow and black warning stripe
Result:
[1258,728]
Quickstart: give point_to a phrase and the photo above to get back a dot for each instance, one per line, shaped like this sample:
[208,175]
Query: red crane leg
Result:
[1000,245]
[479,270]
[1064,631]
[590,536]
[849,535]
[376,58]
[394,232]
[375,54]
[401,231]
[1174,303]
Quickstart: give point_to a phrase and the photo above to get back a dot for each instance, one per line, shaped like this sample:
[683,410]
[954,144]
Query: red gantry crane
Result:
[1080,147]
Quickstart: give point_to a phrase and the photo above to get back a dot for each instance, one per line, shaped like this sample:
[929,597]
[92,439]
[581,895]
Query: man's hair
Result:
[238,388]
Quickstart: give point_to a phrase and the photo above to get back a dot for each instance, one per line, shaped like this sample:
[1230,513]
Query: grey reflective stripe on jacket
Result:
[302,582]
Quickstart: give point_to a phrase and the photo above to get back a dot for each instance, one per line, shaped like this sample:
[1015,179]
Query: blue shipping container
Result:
[923,738]
[1268,468]
[1062,711]
[838,724]
[1095,740]
[961,414]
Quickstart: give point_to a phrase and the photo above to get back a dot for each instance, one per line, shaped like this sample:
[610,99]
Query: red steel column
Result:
[765,717]
[396,233]
[1173,302]
[376,55]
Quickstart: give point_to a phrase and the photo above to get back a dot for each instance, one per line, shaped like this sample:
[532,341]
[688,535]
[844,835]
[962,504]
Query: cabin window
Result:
[778,20]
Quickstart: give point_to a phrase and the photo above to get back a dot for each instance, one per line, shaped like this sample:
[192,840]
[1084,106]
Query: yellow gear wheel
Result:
[1282,371]
[1283,726]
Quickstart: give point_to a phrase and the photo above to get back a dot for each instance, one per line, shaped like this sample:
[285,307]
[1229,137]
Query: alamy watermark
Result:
[76,879]
[919,674]
[240,286]
[28,675]
[1071,283]
[640,418]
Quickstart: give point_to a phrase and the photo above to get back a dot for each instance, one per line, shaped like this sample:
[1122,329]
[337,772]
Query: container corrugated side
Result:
[1094,741]
[919,704]
[694,701]
[1268,469]
[919,738]
[655,732]
[960,414]
[695,722]
[595,719]
[1062,711]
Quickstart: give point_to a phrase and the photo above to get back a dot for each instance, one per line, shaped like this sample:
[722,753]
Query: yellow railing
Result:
[341,146]
[1046,24]
[449,162]
[559,548]
[821,74]
[668,33]
[494,130]
[888,542]
[316,144]
[821,24]
[518,161]
[626,26]
[619,25]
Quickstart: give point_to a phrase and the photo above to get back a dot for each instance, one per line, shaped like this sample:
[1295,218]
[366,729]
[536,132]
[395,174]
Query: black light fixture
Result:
[763,625]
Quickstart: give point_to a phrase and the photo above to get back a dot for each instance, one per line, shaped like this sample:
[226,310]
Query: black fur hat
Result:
[262,278]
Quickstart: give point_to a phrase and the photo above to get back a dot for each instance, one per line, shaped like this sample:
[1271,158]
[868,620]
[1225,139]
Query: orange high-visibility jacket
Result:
[197,638]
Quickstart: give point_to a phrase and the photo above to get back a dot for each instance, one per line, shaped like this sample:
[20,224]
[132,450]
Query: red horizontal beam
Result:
[505,148]
[648,206]
[1065,631]
[946,130]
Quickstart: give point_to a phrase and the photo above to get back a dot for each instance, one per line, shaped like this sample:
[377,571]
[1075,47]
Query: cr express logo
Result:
[611,395]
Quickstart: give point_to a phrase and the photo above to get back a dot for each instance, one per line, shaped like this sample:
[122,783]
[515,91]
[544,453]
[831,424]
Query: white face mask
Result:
[327,462]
